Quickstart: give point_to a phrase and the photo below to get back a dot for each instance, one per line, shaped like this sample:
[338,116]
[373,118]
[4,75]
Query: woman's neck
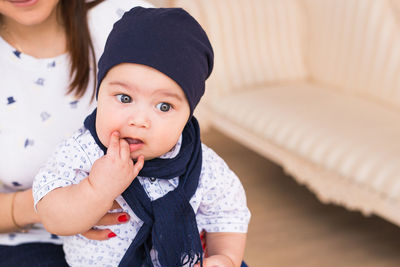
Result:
[44,40]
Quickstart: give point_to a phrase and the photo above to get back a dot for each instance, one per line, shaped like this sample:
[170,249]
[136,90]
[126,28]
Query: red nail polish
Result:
[111,234]
[123,218]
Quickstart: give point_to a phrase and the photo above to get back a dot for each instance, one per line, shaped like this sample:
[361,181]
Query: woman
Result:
[48,50]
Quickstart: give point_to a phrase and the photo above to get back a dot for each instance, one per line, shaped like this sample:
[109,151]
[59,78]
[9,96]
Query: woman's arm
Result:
[224,249]
[23,211]
[24,215]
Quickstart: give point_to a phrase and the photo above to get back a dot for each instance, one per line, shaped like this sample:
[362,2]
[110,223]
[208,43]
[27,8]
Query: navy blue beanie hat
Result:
[144,36]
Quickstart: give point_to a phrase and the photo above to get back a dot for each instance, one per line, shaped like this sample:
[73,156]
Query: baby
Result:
[142,148]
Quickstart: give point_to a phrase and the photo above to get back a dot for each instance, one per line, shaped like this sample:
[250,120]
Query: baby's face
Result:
[145,106]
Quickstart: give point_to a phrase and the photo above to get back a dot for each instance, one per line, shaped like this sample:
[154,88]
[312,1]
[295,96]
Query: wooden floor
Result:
[290,227]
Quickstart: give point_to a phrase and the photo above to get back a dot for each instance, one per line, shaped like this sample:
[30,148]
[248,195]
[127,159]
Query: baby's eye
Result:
[124,98]
[164,107]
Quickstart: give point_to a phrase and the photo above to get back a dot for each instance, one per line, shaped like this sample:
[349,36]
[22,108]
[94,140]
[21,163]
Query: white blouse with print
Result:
[35,112]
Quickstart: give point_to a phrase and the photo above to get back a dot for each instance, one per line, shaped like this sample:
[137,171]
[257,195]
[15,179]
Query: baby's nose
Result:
[139,119]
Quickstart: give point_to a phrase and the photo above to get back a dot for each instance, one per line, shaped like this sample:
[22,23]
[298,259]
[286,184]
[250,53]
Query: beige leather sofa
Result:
[314,86]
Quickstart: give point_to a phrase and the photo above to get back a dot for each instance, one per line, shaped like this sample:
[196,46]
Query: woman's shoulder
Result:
[102,17]
[112,10]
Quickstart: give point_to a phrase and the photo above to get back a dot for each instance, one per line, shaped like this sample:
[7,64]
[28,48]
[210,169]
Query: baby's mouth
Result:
[134,144]
[133,141]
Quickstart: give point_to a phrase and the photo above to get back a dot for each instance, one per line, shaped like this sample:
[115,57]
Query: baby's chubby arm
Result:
[77,208]
[224,249]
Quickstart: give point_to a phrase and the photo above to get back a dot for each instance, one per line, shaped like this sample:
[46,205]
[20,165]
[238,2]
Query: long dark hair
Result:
[79,44]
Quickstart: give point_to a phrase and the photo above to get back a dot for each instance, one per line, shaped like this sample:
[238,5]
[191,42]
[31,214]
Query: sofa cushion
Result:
[353,137]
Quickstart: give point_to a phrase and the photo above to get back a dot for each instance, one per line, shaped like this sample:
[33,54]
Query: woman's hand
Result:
[217,261]
[223,249]
[108,219]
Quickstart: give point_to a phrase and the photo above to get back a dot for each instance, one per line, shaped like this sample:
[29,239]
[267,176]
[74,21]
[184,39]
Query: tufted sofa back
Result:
[255,42]
[355,46]
[352,46]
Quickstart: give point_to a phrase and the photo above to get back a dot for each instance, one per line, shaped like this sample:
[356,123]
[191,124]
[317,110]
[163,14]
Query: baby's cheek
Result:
[106,124]
[104,138]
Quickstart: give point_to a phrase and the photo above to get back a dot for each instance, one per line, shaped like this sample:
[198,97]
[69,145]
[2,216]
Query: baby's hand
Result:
[216,261]
[113,173]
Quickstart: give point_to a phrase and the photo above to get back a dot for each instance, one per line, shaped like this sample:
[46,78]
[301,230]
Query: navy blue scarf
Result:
[169,222]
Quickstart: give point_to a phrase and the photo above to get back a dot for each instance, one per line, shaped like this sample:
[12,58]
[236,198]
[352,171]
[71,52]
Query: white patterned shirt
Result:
[219,201]
[35,112]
